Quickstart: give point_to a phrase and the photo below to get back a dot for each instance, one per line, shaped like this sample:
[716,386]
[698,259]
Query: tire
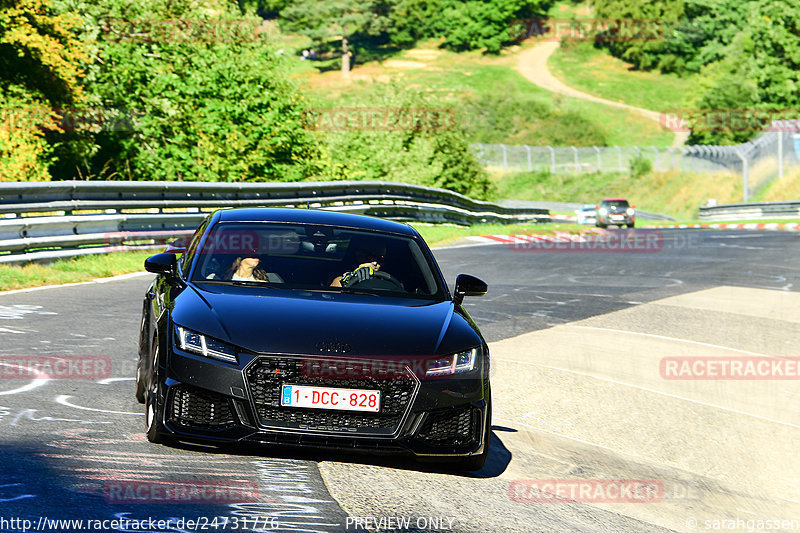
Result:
[154,408]
[631,225]
[139,381]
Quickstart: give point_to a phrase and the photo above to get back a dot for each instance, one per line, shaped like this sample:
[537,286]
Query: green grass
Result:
[678,194]
[494,101]
[73,270]
[593,71]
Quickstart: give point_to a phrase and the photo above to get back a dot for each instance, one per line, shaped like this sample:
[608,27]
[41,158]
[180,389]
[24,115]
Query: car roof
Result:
[614,200]
[313,216]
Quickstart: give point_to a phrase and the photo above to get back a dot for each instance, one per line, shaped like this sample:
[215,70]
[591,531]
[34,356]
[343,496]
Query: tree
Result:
[197,95]
[341,20]
[41,67]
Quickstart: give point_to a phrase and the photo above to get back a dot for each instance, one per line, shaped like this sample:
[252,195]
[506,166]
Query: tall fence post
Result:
[599,160]
[530,159]
[745,177]
[655,161]
[780,152]
[575,150]
[505,157]
[552,159]
[619,157]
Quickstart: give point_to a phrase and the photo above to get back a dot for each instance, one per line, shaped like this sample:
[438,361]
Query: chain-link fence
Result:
[759,162]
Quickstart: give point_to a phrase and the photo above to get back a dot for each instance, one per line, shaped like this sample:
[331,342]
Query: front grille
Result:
[191,407]
[452,427]
[267,375]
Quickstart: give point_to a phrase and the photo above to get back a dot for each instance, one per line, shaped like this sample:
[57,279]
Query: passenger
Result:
[245,268]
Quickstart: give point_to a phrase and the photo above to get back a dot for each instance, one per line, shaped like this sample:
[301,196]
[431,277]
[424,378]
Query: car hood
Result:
[312,322]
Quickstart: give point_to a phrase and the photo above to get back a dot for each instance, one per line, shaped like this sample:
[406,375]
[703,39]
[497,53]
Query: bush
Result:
[640,166]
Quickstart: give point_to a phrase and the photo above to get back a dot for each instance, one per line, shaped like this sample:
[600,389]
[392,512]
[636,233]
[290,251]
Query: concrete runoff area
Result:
[587,401]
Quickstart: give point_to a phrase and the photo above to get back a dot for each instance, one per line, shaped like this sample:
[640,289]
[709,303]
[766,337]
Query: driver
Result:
[368,259]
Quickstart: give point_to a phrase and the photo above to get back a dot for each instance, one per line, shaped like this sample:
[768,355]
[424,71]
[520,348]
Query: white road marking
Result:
[108,381]
[40,380]
[64,400]
[676,339]
[646,389]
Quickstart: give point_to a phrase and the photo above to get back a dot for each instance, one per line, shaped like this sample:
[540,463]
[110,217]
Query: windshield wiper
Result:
[239,283]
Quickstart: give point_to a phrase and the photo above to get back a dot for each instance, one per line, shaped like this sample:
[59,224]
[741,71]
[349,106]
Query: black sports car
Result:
[312,328]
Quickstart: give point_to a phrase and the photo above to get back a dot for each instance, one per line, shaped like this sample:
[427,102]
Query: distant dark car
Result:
[615,211]
[344,334]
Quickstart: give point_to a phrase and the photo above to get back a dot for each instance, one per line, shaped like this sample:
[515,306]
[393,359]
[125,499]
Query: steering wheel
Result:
[381,280]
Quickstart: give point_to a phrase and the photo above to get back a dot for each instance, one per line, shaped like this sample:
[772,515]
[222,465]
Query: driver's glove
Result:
[357,276]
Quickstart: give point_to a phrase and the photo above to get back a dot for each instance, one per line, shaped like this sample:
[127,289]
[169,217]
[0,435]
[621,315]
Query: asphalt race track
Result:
[578,340]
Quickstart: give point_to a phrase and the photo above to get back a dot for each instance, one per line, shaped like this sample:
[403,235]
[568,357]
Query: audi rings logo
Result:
[333,347]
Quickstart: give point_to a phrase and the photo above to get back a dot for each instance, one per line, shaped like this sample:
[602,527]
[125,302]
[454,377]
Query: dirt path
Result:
[533,65]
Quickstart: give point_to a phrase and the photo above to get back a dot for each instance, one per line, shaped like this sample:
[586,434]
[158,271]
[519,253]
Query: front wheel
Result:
[139,381]
[154,410]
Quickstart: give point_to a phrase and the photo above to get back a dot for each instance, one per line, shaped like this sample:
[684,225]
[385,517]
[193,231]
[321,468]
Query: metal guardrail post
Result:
[552,159]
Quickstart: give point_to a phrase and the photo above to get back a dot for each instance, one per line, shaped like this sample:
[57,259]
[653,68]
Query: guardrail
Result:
[48,220]
[754,211]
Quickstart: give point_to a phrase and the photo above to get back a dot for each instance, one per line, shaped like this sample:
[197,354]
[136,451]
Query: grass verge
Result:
[73,270]
[593,71]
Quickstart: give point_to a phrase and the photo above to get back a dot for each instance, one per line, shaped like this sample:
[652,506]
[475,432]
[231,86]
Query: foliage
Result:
[359,21]
[41,64]
[640,166]
[746,52]
[432,150]
[202,96]
[463,25]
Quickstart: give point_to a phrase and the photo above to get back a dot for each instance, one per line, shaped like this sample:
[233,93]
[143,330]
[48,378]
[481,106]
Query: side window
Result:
[188,256]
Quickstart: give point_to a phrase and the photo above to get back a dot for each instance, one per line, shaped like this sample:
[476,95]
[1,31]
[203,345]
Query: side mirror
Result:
[178,246]
[467,285]
[165,264]
[633,206]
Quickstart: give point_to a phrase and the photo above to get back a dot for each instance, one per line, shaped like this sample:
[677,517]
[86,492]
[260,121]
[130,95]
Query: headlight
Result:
[630,211]
[603,211]
[453,364]
[192,341]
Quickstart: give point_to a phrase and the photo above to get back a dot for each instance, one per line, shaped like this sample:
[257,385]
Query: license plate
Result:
[617,217]
[331,398]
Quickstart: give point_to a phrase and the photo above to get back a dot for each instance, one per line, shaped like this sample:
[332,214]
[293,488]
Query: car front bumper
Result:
[213,401]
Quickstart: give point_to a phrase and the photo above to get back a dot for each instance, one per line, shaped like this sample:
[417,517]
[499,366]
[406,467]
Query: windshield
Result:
[313,257]
[615,203]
